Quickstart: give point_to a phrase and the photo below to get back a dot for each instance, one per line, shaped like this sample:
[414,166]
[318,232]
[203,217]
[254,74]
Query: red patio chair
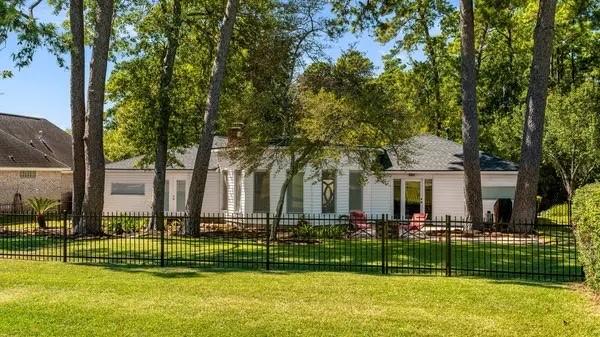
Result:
[414,227]
[359,224]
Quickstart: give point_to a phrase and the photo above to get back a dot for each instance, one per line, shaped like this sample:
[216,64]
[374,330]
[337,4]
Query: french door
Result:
[412,196]
[175,194]
[413,200]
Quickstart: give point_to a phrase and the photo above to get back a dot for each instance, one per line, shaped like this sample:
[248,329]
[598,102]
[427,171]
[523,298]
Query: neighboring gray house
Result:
[432,183]
[35,158]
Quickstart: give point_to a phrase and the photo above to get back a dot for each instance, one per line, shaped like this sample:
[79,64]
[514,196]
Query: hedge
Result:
[586,216]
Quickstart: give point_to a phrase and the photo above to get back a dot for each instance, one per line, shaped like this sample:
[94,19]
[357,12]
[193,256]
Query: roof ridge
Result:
[33,148]
[22,116]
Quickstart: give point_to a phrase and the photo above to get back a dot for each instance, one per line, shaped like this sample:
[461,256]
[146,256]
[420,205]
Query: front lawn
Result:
[56,299]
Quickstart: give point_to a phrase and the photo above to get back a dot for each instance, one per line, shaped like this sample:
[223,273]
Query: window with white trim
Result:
[328,191]
[261,192]
[127,189]
[355,193]
[295,194]
[497,192]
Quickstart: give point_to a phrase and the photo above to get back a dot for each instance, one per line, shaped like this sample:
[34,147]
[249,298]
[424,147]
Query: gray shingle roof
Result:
[432,153]
[186,159]
[33,142]
[429,153]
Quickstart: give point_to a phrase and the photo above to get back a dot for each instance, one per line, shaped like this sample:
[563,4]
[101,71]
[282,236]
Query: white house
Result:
[432,183]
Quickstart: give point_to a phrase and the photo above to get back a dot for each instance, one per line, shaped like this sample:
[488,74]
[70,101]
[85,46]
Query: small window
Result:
[180,202]
[355,196]
[225,191]
[295,194]
[261,192]
[167,194]
[429,197]
[497,192]
[328,190]
[127,189]
[238,190]
[27,174]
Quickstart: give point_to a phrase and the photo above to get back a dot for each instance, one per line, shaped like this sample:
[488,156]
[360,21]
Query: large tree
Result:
[412,26]
[196,191]
[572,138]
[77,94]
[470,123]
[305,136]
[165,109]
[525,209]
[94,150]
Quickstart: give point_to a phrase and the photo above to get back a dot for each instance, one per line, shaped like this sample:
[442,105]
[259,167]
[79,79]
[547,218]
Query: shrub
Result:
[41,206]
[586,216]
[126,224]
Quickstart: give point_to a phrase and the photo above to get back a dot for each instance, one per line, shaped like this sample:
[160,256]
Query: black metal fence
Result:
[375,244]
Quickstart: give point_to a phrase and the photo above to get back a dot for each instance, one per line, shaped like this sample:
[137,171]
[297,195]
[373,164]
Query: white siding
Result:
[448,195]
[128,203]
[143,203]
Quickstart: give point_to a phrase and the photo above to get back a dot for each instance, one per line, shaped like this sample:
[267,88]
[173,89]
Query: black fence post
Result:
[383,250]
[268,227]
[64,237]
[448,246]
[162,243]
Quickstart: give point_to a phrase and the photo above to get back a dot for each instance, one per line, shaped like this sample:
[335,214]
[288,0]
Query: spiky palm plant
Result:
[41,206]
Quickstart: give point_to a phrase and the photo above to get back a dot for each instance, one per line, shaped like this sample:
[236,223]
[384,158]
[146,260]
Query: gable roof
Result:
[432,153]
[186,159]
[429,153]
[33,143]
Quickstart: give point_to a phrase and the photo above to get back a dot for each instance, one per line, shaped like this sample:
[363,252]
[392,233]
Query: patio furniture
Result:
[359,225]
[414,228]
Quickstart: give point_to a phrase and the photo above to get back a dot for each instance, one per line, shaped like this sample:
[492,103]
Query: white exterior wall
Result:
[447,191]
[143,203]
[447,195]
[128,203]
[496,179]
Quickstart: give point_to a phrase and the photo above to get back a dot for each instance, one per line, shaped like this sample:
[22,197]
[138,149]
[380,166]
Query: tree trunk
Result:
[430,49]
[77,107]
[196,192]
[280,202]
[94,148]
[524,211]
[470,124]
[164,113]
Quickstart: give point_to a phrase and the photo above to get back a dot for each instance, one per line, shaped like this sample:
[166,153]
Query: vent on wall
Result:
[27,174]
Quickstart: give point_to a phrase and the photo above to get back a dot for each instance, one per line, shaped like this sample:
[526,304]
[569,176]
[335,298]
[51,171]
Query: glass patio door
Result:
[413,201]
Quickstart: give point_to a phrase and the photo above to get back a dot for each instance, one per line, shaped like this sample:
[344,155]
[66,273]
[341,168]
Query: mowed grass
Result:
[56,299]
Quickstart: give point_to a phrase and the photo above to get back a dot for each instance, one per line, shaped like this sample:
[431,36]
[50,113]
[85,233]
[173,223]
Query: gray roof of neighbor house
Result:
[33,143]
[428,153]
[186,159]
[432,153]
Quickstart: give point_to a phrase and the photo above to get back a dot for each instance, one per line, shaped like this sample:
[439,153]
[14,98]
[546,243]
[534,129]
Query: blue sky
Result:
[42,88]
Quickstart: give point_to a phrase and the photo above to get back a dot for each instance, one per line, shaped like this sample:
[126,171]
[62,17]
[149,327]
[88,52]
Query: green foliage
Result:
[336,110]
[42,205]
[586,216]
[305,231]
[18,19]
[572,137]
[251,69]
[126,224]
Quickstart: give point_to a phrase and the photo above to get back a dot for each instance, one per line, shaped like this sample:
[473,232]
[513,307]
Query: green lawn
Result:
[56,299]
